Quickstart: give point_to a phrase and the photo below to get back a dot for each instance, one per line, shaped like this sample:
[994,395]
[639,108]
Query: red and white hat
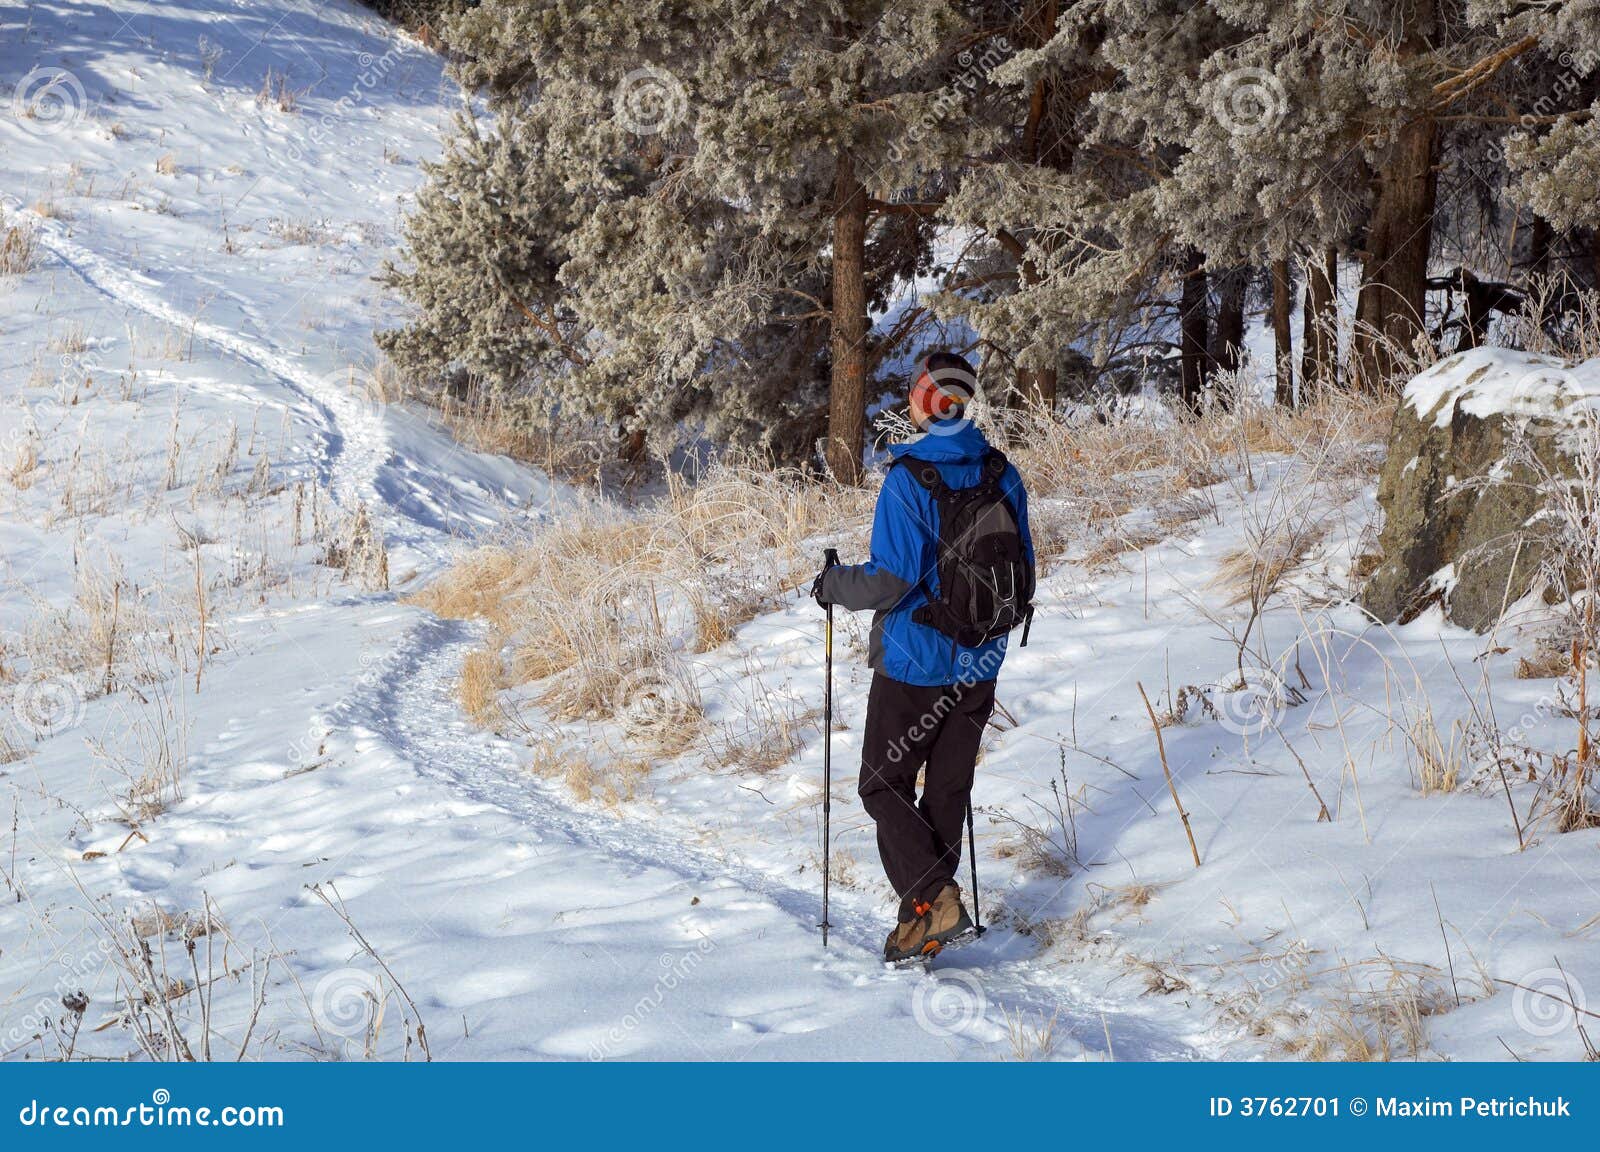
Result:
[943,386]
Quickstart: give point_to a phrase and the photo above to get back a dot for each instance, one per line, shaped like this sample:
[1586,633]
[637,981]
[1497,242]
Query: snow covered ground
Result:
[205,713]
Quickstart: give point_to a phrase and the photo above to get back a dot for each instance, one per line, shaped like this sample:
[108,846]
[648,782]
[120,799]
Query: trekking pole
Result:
[972,859]
[830,558]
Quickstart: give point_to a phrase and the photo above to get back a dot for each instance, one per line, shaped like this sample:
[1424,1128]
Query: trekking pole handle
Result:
[830,558]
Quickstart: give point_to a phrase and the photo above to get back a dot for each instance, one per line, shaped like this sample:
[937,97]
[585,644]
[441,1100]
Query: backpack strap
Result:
[928,476]
[994,467]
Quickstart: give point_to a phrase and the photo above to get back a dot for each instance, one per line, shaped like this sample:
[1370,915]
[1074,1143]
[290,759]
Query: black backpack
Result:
[985,578]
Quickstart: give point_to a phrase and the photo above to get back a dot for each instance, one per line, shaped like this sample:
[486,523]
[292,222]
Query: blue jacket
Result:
[903,572]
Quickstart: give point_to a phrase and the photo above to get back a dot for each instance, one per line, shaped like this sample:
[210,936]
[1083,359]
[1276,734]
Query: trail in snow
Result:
[359,463]
[355,443]
[411,707]
[362,455]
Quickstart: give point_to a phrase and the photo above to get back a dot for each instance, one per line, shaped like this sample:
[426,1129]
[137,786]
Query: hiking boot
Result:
[947,918]
[907,940]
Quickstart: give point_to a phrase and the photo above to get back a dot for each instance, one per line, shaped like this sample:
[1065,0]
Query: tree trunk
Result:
[1282,338]
[1042,145]
[1319,341]
[1541,239]
[1039,140]
[1228,338]
[1194,321]
[1390,308]
[1036,387]
[847,393]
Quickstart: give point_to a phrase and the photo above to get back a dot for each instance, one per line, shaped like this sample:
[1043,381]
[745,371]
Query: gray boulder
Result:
[1458,504]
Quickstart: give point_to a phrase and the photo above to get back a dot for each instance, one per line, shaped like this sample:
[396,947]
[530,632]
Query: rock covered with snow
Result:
[1457,507]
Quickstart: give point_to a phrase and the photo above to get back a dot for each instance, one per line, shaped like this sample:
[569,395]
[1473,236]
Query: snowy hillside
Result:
[242,803]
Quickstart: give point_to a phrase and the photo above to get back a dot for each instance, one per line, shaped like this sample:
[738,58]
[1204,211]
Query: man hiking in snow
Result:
[951,574]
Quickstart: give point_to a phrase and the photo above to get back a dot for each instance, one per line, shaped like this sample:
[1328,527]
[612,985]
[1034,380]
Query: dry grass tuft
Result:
[1257,570]
[1114,544]
[479,686]
[1379,1013]
[768,730]
[73,340]
[357,550]
[22,469]
[18,249]
[277,92]
[602,607]
[615,780]
[1030,1039]
[1436,760]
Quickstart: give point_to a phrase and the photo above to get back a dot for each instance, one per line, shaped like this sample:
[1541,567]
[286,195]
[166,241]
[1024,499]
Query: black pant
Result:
[909,727]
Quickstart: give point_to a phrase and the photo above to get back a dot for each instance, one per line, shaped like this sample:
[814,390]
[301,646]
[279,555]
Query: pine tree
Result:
[712,200]
[704,218]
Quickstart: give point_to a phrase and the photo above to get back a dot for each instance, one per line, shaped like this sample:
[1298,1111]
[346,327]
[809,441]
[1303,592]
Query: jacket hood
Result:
[962,442]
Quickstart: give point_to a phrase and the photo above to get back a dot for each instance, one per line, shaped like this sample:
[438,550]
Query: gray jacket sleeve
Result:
[863,587]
